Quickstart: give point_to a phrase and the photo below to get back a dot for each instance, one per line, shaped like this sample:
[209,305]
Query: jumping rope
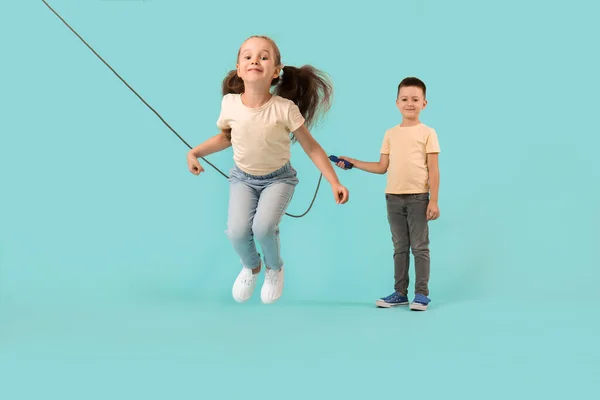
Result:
[162,119]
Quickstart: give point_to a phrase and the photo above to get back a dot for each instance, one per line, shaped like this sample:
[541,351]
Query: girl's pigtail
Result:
[309,88]
[232,83]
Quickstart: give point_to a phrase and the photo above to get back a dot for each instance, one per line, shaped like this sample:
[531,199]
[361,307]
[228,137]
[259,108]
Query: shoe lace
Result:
[392,296]
[247,277]
[272,276]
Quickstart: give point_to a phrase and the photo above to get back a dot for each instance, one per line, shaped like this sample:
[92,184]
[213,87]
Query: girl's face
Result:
[410,102]
[257,61]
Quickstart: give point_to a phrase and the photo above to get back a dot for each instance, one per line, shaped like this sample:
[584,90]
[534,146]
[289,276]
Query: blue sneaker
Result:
[420,303]
[393,300]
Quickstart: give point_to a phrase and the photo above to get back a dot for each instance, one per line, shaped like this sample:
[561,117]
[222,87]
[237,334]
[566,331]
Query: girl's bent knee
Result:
[264,231]
[238,233]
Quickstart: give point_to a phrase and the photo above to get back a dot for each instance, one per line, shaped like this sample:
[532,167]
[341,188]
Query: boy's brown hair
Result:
[412,81]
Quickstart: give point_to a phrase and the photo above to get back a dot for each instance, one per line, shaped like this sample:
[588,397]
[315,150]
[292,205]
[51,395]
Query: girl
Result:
[260,126]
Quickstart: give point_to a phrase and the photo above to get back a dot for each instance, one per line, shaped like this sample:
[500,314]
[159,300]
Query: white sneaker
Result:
[244,285]
[273,286]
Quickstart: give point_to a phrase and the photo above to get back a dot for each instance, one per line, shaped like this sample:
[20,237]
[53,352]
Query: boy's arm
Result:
[379,167]
[433,210]
[434,176]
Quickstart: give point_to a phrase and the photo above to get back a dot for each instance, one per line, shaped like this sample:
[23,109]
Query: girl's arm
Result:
[316,153]
[217,143]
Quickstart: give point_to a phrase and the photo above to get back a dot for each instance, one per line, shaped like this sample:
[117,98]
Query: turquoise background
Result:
[116,274]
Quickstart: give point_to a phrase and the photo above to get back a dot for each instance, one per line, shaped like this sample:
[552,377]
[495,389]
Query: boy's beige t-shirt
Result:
[407,148]
[260,137]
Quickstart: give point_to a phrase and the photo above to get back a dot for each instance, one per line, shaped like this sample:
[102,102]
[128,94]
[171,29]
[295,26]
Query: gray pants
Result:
[407,216]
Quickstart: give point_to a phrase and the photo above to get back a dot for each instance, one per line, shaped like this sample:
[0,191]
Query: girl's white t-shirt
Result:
[260,137]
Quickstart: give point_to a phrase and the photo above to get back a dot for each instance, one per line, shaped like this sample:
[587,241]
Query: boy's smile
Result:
[410,102]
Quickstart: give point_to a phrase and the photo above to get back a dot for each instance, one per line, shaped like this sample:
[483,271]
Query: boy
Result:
[409,154]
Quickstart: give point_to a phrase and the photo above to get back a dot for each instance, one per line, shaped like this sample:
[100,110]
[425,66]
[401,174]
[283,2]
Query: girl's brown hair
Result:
[309,88]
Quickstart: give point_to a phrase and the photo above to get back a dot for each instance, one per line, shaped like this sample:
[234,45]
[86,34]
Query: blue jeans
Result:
[256,205]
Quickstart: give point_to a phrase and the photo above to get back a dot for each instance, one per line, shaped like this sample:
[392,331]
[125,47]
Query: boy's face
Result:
[410,102]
